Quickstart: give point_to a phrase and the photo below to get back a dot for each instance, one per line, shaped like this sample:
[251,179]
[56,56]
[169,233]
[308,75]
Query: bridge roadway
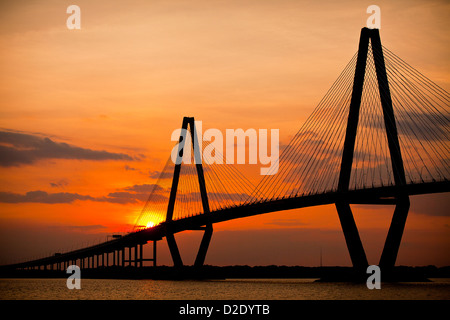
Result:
[377,195]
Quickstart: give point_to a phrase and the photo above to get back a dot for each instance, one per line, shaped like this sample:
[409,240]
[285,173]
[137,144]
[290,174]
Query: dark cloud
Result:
[129,197]
[424,126]
[133,194]
[20,148]
[128,168]
[137,193]
[160,175]
[42,197]
[59,184]
[145,188]
[123,197]
[65,197]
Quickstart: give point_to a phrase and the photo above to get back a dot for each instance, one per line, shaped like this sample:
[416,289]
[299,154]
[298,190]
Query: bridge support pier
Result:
[201,255]
[202,251]
[395,233]
[352,239]
[174,252]
[129,256]
[141,254]
[204,245]
[154,252]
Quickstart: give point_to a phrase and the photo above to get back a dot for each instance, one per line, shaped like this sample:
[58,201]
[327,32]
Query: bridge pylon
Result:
[208,229]
[401,200]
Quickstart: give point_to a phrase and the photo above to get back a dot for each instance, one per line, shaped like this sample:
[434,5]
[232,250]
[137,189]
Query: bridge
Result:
[378,136]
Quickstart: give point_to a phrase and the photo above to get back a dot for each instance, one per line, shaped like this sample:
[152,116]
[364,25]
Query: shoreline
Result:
[207,272]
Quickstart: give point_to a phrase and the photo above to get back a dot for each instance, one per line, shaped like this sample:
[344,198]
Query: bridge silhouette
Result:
[378,136]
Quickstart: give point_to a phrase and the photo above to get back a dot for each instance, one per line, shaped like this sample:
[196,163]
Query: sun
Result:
[150,224]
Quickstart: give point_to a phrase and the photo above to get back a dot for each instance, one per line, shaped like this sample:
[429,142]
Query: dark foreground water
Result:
[232,289]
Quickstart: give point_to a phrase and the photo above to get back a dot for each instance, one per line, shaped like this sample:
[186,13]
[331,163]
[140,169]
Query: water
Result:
[232,289]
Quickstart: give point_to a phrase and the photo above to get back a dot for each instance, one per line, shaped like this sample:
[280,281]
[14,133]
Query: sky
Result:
[86,116]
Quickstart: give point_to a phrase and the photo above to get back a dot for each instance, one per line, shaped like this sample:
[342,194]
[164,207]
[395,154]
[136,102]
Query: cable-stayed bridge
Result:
[378,136]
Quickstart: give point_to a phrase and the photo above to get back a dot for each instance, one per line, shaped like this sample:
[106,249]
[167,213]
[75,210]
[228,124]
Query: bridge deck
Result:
[380,195]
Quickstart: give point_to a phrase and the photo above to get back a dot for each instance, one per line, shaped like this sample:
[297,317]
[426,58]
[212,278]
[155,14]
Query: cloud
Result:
[145,188]
[136,193]
[133,194]
[124,197]
[42,197]
[129,197]
[39,196]
[59,184]
[420,125]
[20,148]
[160,175]
[128,168]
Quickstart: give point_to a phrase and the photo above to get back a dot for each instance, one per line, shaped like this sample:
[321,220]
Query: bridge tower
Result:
[401,200]
[208,229]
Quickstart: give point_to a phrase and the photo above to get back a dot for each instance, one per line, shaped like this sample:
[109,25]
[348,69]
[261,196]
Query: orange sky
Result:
[124,81]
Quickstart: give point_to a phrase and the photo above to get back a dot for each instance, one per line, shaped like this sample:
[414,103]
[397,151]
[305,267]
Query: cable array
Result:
[422,116]
[310,164]
[311,161]
[225,185]
[155,209]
